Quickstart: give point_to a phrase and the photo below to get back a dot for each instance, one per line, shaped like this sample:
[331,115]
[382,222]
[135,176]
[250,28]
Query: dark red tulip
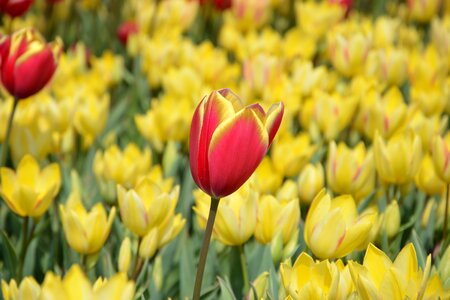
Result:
[15,8]
[125,30]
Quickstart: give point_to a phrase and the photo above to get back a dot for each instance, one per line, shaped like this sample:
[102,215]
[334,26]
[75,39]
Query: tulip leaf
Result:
[30,258]
[226,292]
[8,253]
[187,267]
[259,259]
[421,253]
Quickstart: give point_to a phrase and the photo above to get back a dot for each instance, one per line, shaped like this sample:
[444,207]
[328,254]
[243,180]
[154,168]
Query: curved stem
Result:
[244,269]
[205,246]
[4,152]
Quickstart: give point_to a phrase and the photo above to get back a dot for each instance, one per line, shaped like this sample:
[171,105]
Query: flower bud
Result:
[310,182]
[123,263]
[391,219]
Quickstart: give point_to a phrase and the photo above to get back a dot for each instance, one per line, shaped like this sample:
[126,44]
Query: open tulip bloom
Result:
[227,142]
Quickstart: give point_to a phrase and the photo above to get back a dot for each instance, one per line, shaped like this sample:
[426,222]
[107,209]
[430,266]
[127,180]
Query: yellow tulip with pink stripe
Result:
[228,141]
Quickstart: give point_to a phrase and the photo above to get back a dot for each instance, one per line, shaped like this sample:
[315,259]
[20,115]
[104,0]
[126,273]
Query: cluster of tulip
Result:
[335,186]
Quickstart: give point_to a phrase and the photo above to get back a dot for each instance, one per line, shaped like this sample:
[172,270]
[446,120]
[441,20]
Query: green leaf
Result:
[187,267]
[226,292]
[8,253]
[421,253]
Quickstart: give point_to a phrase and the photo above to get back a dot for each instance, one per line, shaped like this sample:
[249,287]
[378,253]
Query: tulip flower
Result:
[15,8]
[29,191]
[423,10]
[333,228]
[125,30]
[310,182]
[427,180]
[123,262]
[28,289]
[266,179]
[86,232]
[390,219]
[228,141]
[441,157]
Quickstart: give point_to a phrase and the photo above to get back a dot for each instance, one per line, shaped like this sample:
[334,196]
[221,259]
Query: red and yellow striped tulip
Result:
[228,141]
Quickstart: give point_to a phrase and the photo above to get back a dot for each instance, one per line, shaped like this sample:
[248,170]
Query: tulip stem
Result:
[244,269]
[447,200]
[23,248]
[4,152]
[205,246]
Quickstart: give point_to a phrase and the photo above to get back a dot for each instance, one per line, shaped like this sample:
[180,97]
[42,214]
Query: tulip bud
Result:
[259,287]
[228,141]
[149,244]
[27,62]
[266,179]
[427,180]
[391,219]
[423,10]
[15,8]
[440,153]
[310,182]
[123,262]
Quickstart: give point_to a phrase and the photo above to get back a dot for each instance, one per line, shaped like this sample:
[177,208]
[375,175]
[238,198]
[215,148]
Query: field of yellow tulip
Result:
[224,149]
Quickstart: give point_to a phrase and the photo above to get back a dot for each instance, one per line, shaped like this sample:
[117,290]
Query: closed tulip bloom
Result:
[441,156]
[29,191]
[228,141]
[350,170]
[310,182]
[85,231]
[398,161]
[276,217]
[423,10]
[427,180]
[333,228]
[390,219]
[236,219]
[15,8]
[123,262]
[266,179]
[28,289]
[27,62]
[145,206]
[380,278]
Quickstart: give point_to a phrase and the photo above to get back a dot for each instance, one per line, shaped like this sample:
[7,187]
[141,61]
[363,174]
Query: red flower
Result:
[346,4]
[218,4]
[27,62]
[125,30]
[15,8]
[228,141]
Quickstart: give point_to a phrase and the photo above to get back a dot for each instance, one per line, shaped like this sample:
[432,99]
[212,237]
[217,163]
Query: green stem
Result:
[3,155]
[138,263]
[244,269]
[447,200]
[205,246]
[23,248]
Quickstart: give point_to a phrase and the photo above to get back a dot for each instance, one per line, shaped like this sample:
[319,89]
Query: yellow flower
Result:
[236,216]
[291,153]
[427,180]
[307,78]
[251,14]
[146,206]
[123,167]
[276,217]
[380,278]
[298,43]
[398,161]
[259,287]
[440,34]
[349,171]
[440,153]
[390,219]
[425,127]
[316,18]
[288,191]
[266,179]
[388,65]
[309,279]
[28,289]
[76,285]
[310,182]
[423,10]
[430,99]
[123,262]
[333,228]
[385,31]
[29,191]
[427,68]
[86,232]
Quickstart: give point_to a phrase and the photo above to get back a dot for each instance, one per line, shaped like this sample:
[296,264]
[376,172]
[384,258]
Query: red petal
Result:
[273,119]
[236,149]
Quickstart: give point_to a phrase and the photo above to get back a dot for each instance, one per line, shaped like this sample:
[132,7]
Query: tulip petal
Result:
[273,120]
[236,149]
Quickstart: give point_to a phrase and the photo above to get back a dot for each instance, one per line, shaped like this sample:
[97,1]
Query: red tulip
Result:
[125,30]
[27,62]
[15,8]
[218,4]
[228,141]
[345,4]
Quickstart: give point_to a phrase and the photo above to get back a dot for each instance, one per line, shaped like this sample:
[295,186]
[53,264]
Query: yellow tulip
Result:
[388,65]
[430,99]
[429,207]
[440,153]
[259,287]
[316,18]
[124,259]
[349,171]
[236,216]
[309,279]
[291,153]
[298,43]
[333,228]
[266,179]
[423,10]
[86,232]
[427,180]
[425,127]
[310,182]
[427,68]
[76,285]
[123,167]
[276,217]
[380,278]
[288,191]
[29,191]
[385,31]
[146,206]
[28,289]
[390,219]
[398,161]
[251,14]
[440,34]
